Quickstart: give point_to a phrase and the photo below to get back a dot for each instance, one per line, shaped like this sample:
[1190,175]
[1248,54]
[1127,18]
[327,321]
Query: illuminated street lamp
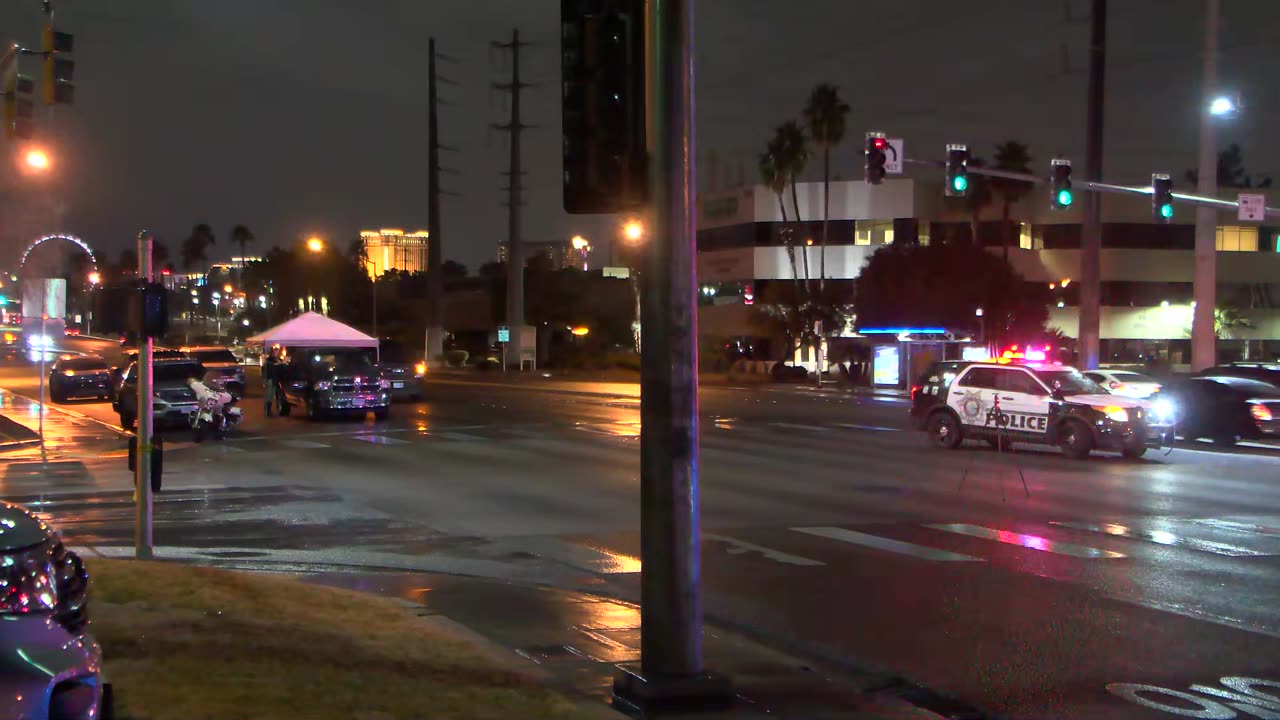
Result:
[227,288]
[315,244]
[94,278]
[1224,106]
[633,231]
[37,159]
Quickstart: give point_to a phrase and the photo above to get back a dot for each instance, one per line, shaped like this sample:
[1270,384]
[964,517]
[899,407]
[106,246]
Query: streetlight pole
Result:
[142,545]
[1205,276]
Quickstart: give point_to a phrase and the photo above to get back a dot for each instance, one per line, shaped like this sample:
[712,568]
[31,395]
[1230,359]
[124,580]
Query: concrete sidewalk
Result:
[577,643]
[67,433]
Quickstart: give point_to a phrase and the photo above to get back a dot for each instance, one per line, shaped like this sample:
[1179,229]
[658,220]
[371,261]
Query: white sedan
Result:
[1125,383]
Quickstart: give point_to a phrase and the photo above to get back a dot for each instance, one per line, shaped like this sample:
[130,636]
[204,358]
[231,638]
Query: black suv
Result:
[173,402]
[1040,404]
[79,377]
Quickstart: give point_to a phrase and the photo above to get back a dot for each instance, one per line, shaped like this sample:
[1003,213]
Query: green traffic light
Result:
[1064,197]
[960,183]
[1166,211]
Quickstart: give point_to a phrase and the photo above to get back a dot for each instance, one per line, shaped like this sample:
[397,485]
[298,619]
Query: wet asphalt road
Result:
[826,522]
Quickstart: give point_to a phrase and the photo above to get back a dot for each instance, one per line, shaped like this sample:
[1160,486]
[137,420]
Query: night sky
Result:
[309,116]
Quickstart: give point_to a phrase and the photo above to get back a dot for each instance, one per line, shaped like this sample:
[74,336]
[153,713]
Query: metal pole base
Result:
[635,693]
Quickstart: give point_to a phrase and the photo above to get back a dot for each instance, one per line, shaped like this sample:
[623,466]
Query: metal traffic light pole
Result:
[142,545]
[671,672]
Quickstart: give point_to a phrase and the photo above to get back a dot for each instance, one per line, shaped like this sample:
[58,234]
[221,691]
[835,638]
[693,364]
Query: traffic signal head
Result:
[1061,195]
[1161,198]
[957,170]
[875,157]
[17,107]
[56,87]
[602,95]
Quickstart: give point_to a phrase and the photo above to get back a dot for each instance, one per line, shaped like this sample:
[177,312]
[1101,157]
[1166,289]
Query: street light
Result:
[94,278]
[1224,106]
[633,231]
[315,244]
[37,159]
[227,288]
[579,242]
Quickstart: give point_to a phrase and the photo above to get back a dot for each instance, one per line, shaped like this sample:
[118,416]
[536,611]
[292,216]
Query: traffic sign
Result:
[504,334]
[1253,208]
[893,157]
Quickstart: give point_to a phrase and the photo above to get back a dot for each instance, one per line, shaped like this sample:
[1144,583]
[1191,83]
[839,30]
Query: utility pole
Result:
[1204,342]
[1091,227]
[515,248]
[671,671]
[435,251]
[142,545]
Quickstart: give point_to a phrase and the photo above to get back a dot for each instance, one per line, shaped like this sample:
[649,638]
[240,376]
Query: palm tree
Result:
[242,236]
[198,242]
[791,149]
[825,114]
[1012,156]
[774,177]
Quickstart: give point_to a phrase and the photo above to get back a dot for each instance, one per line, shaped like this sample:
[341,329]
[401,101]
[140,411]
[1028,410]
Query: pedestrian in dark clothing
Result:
[270,380]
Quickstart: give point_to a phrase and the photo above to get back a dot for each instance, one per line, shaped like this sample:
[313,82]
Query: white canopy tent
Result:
[313,330]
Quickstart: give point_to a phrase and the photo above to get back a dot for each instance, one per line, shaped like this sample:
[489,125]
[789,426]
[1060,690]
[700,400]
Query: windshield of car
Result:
[219,355]
[178,371]
[1070,381]
[347,363]
[84,364]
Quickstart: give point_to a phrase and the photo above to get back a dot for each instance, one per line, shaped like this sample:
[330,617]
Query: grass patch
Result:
[193,643]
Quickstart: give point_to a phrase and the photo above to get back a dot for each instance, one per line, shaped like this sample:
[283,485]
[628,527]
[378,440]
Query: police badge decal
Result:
[971,405]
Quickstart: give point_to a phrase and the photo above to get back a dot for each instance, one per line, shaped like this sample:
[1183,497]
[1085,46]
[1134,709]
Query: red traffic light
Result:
[880,143]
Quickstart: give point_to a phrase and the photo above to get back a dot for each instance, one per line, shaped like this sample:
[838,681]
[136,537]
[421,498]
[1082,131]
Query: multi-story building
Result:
[392,249]
[1146,269]
[562,254]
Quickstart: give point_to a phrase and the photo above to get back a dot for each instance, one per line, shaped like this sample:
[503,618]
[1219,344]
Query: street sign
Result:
[893,157]
[1253,208]
[504,334]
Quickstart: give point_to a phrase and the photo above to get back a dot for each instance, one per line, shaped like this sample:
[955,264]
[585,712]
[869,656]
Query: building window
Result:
[1024,236]
[862,237]
[888,236]
[1234,238]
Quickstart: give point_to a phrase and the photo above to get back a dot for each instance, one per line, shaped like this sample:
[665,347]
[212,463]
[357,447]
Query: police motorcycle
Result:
[216,411]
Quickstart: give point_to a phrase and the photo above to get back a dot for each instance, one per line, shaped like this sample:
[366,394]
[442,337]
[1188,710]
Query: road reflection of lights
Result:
[617,562]
[1164,538]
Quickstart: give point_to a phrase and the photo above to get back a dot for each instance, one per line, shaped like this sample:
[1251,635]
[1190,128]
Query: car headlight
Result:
[322,385]
[1165,411]
[1114,412]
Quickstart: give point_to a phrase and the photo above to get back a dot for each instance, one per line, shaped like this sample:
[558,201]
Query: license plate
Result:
[397,386]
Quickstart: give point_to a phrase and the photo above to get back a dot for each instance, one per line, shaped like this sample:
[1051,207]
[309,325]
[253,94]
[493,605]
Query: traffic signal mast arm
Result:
[1096,186]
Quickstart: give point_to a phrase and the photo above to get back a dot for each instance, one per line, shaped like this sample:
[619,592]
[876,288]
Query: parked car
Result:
[329,382]
[222,369]
[1227,409]
[1263,371]
[1125,383]
[56,666]
[404,369]
[130,357]
[173,400]
[79,376]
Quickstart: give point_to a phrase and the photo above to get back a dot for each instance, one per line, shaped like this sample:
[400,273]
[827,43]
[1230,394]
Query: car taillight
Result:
[914,389]
[1260,412]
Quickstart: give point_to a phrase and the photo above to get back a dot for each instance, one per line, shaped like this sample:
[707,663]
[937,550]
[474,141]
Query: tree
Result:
[942,285]
[159,254]
[196,245]
[774,176]
[1012,156]
[128,265]
[1231,172]
[493,269]
[453,270]
[792,152]
[241,236]
[825,115]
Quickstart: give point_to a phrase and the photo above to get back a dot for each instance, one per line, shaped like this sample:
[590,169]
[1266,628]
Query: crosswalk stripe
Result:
[380,439]
[1161,537]
[456,436]
[303,444]
[738,547]
[1239,526]
[876,428]
[1033,542]
[799,426]
[883,543]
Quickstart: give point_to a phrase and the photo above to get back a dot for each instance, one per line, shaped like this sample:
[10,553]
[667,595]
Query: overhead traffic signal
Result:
[603,99]
[957,170]
[16,91]
[1061,196]
[55,86]
[1161,198]
[875,157]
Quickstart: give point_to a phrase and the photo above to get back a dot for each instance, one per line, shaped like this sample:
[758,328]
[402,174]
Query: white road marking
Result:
[799,426]
[738,547]
[1161,537]
[882,543]
[455,436]
[1033,542]
[876,428]
[380,439]
[303,444]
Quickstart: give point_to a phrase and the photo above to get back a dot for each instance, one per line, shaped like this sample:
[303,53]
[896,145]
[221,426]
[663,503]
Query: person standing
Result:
[270,378]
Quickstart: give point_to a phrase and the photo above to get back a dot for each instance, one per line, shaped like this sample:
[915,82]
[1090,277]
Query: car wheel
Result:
[1133,452]
[57,396]
[1075,439]
[381,413]
[944,430]
[127,420]
[313,412]
[1225,441]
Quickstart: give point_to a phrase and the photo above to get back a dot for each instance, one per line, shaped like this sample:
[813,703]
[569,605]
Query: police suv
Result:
[1037,404]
